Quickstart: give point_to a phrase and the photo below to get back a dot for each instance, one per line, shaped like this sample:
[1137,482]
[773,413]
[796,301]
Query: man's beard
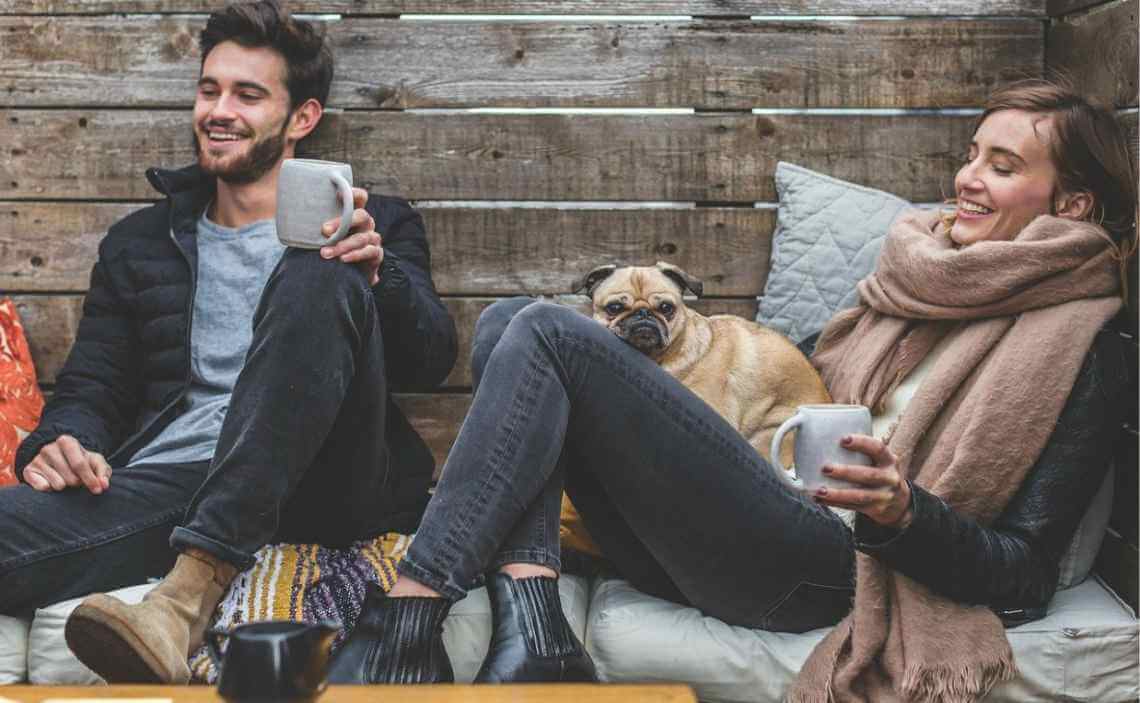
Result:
[262,156]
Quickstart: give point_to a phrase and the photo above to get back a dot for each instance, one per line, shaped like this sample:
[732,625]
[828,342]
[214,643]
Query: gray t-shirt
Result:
[233,266]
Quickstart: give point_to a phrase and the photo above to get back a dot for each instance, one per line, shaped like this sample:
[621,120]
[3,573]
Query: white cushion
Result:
[50,662]
[1086,649]
[1078,559]
[13,649]
[467,629]
[466,633]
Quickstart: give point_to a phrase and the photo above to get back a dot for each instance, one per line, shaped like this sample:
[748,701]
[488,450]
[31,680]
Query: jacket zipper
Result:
[189,326]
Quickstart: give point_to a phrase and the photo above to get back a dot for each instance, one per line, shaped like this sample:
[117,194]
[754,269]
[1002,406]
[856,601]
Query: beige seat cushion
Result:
[466,634]
[49,659]
[1086,649]
[13,649]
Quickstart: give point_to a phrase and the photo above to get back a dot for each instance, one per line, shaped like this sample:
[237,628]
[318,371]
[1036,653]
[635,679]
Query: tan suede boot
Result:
[150,642]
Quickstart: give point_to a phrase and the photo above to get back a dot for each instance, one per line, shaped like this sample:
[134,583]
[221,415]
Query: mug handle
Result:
[214,647]
[784,475]
[345,190]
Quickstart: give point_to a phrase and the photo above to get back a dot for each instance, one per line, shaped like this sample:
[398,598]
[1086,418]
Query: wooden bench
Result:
[691,106]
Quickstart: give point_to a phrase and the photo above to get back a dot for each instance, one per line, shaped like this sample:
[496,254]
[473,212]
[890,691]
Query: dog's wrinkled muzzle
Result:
[644,332]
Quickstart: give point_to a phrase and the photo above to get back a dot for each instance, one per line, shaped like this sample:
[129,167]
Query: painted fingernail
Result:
[825,470]
[846,440]
[822,491]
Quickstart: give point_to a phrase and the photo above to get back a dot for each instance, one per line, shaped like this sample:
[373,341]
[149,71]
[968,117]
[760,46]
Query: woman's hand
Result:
[362,246]
[880,491]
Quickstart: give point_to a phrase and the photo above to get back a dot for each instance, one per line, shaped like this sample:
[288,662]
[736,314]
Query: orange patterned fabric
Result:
[21,401]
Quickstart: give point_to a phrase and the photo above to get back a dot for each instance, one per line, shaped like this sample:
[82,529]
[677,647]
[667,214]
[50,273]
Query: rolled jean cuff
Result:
[538,557]
[442,586]
[182,539]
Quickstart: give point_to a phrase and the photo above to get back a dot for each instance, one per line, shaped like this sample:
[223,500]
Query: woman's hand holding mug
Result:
[879,491]
[839,464]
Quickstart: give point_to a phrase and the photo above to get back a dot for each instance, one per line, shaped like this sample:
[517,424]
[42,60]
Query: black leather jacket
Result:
[1012,565]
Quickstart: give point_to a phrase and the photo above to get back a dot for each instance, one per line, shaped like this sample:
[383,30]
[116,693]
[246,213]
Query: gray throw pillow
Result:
[828,235]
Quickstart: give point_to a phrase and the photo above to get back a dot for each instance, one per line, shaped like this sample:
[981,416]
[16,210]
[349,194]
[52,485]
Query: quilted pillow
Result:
[828,235]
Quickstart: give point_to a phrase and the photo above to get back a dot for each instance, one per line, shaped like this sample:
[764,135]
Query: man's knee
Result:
[305,272]
[304,280]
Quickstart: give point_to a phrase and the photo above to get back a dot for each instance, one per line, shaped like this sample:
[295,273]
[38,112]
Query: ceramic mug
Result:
[272,660]
[818,431]
[307,191]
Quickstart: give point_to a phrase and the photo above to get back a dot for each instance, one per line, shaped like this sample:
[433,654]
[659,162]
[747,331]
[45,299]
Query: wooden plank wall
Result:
[1095,42]
[691,106]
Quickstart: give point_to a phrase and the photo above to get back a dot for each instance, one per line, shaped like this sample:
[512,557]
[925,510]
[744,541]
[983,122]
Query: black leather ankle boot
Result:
[530,638]
[396,640]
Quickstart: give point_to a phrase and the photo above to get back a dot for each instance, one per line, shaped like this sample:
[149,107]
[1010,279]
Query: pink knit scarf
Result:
[1018,318]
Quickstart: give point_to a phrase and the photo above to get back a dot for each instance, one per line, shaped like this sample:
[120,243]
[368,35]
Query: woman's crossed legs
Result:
[675,497]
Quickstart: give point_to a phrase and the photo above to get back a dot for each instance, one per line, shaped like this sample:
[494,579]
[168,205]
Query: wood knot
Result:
[765,127]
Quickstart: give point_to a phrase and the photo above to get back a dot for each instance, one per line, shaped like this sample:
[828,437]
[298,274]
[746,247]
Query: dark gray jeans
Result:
[302,457]
[673,495]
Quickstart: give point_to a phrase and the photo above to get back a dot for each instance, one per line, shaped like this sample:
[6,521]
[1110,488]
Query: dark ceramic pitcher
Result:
[273,660]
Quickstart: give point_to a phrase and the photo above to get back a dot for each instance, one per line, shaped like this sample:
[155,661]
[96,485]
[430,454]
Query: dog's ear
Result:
[683,279]
[591,280]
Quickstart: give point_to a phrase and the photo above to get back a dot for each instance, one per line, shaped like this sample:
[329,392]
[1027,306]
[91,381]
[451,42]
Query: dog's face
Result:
[643,305]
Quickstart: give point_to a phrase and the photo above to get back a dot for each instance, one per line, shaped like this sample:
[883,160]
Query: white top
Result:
[900,398]
[895,405]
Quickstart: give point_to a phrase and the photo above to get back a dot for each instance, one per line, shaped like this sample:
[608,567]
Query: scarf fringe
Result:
[955,684]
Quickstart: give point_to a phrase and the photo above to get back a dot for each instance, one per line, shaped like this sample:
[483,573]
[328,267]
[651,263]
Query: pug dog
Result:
[753,376]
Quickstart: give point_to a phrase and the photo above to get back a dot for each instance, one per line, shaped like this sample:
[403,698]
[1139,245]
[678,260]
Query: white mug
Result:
[818,431]
[307,192]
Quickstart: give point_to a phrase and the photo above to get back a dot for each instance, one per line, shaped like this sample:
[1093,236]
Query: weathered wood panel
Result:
[732,8]
[71,154]
[540,250]
[152,61]
[475,251]
[1056,8]
[1098,49]
[436,417]
[51,246]
[51,322]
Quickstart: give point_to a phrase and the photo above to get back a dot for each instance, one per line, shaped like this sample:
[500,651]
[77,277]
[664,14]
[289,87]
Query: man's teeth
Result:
[974,208]
[224,137]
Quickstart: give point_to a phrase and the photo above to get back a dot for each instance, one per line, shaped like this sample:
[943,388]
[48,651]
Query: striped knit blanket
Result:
[305,582]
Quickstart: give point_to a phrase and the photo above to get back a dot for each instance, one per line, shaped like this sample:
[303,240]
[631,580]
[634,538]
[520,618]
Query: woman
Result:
[994,317]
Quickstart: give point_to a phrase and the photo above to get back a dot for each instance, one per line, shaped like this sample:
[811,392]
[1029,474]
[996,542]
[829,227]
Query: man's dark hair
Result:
[308,59]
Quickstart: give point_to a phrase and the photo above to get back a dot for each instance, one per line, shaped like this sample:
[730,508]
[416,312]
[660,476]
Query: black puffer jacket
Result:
[1012,565]
[131,358]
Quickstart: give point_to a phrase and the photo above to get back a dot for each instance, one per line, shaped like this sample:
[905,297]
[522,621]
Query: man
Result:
[217,378]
